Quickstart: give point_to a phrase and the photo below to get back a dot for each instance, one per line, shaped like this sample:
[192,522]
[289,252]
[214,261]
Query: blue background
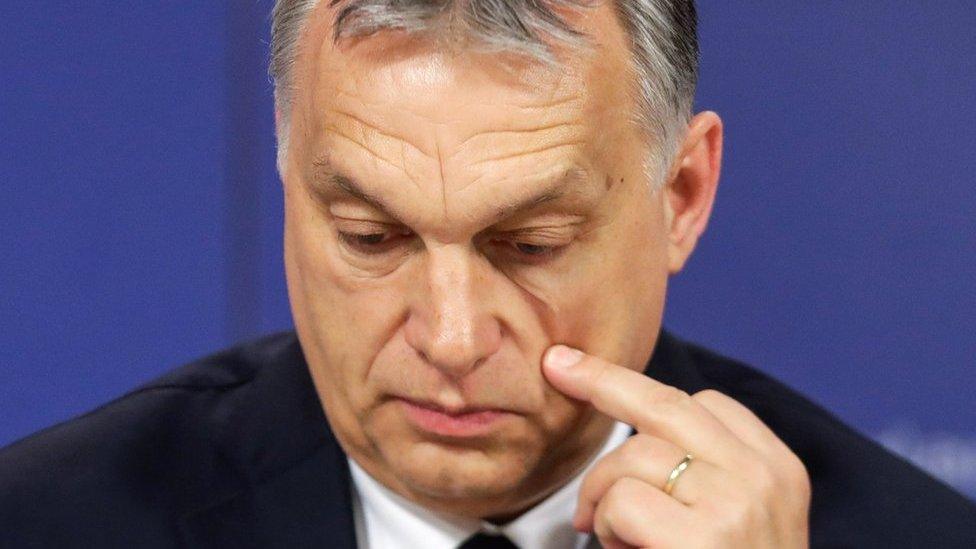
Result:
[140,211]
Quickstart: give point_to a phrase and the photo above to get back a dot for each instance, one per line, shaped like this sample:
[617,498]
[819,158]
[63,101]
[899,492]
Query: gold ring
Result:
[676,472]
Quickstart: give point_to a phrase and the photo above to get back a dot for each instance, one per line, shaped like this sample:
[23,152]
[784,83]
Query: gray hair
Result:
[663,43]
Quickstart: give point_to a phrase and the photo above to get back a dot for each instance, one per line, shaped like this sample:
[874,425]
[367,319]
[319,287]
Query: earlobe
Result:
[690,192]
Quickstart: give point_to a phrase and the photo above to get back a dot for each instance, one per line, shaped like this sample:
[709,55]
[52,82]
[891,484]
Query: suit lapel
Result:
[292,477]
[306,506]
[672,363]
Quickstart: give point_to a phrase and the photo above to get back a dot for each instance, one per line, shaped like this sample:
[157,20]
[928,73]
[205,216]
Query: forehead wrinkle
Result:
[527,131]
[553,102]
[555,138]
[378,158]
[327,179]
[567,182]
[516,138]
[521,154]
[364,124]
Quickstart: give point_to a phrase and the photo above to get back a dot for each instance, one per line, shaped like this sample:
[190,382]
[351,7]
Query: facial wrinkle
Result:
[365,124]
[403,144]
[523,131]
[373,154]
[524,153]
[552,103]
[440,167]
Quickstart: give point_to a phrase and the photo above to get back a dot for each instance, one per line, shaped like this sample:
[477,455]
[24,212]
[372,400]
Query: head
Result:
[466,184]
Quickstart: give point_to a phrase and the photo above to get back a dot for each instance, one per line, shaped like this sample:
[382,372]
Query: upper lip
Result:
[449,410]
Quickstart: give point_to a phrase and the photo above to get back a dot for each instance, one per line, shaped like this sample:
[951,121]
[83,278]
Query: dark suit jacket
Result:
[235,451]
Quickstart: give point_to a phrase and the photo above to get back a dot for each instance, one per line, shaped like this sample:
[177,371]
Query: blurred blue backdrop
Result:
[140,211]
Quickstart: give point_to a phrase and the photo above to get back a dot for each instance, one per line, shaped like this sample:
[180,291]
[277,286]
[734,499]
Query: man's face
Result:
[449,216]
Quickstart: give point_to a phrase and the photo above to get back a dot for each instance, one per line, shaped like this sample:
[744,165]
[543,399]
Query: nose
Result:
[451,323]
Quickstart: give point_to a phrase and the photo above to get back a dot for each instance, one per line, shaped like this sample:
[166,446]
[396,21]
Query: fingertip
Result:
[562,357]
[559,368]
[567,370]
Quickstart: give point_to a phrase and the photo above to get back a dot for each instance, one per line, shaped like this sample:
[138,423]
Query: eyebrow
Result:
[328,179]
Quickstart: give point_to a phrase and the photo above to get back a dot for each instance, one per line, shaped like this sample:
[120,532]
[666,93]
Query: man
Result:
[484,201]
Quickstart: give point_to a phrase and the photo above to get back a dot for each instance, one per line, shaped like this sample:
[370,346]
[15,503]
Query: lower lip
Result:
[460,425]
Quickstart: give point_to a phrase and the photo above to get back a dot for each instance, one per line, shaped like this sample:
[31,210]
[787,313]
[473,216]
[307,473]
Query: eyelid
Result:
[553,235]
[547,221]
[347,224]
[554,242]
[389,241]
[351,208]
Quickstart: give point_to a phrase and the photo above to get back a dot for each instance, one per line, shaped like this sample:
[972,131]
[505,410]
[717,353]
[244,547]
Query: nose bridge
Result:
[453,325]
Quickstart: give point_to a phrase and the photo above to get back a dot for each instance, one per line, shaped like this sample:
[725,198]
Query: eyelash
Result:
[374,244]
[539,252]
[368,243]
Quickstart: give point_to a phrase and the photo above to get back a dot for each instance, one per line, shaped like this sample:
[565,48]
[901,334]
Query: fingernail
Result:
[562,357]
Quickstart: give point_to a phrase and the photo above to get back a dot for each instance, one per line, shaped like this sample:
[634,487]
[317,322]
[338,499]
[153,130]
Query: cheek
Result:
[611,304]
[344,320]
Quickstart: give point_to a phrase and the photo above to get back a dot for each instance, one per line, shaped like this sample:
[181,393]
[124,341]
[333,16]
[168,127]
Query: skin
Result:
[744,488]
[427,286]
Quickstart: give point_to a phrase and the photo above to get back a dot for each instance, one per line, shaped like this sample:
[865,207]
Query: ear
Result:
[692,182]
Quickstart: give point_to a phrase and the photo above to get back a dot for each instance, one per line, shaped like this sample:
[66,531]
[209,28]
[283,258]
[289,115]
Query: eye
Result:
[372,243]
[534,250]
[520,249]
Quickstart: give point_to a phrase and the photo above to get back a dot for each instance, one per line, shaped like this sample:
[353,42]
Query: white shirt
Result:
[386,520]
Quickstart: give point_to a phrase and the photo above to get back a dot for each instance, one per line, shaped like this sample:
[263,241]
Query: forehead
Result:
[458,116]
[440,80]
[433,100]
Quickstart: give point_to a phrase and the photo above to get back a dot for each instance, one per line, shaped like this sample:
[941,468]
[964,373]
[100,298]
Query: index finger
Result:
[646,404]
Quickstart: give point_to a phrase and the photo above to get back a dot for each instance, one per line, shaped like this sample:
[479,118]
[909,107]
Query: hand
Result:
[744,487]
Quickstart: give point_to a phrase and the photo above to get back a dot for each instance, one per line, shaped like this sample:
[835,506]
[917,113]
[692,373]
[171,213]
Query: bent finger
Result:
[639,515]
[651,460]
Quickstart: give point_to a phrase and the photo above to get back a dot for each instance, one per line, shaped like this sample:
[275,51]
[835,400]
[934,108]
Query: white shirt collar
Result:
[386,520]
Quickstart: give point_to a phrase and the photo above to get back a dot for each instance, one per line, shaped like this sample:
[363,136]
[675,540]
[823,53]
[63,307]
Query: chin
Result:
[460,474]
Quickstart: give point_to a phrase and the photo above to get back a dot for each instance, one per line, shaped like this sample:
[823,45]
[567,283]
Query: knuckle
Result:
[596,480]
[601,524]
[799,478]
[666,395]
[621,491]
[593,484]
[635,449]
[609,509]
[790,476]
[764,480]
[709,395]
[620,510]
[736,520]
[652,449]
[621,497]
[587,489]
